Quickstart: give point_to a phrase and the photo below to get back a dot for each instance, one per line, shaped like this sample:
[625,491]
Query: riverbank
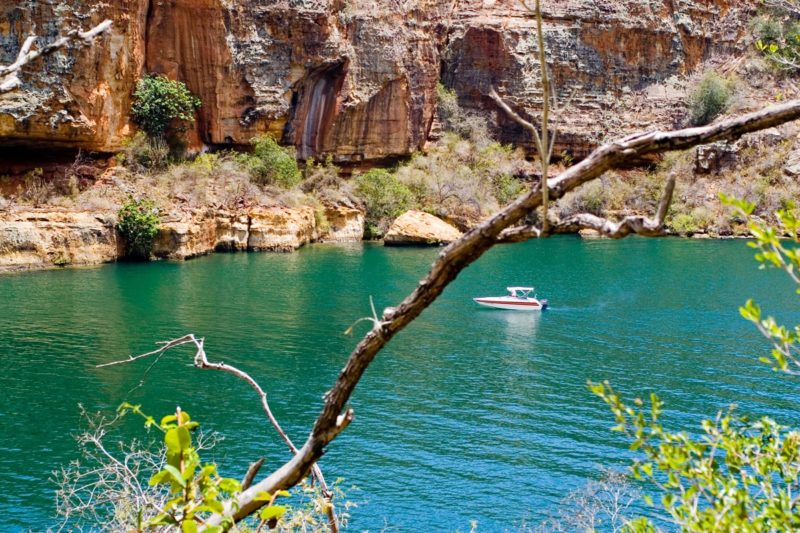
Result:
[39,239]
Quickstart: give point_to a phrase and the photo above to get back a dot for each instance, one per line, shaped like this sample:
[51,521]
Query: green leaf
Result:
[229,485]
[189,526]
[178,440]
[168,474]
[272,512]
[161,520]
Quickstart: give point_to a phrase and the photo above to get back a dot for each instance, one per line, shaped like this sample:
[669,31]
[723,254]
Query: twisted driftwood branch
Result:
[9,75]
[334,417]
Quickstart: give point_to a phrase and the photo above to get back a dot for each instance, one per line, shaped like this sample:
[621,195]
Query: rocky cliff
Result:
[356,79]
[44,238]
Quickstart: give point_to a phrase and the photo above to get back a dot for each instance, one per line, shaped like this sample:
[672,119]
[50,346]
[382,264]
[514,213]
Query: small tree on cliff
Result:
[163,106]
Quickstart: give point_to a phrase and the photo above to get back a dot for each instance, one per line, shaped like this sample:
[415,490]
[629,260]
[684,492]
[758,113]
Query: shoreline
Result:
[43,267]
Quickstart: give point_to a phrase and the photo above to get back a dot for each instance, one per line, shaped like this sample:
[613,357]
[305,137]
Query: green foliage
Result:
[384,196]
[739,474]
[138,223]
[272,164]
[196,489]
[158,103]
[685,224]
[711,98]
[506,188]
[777,35]
[461,179]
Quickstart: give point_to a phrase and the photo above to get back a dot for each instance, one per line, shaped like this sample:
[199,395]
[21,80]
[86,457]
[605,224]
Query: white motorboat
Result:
[518,299]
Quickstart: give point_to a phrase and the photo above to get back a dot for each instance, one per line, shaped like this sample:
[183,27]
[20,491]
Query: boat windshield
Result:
[519,292]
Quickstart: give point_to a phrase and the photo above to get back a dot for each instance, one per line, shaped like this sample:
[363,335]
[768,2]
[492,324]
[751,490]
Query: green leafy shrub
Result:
[461,179]
[138,223]
[384,196]
[272,164]
[155,485]
[506,188]
[711,98]
[195,489]
[684,224]
[777,35]
[589,198]
[159,103]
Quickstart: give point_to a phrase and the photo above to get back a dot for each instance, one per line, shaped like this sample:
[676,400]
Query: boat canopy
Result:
[521,289]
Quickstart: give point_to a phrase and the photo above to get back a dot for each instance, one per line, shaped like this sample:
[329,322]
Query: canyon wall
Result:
[356,79]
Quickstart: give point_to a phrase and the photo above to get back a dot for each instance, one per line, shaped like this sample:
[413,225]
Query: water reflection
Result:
[520,326]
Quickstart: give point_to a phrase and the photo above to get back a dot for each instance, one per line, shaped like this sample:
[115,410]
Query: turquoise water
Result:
[469,414]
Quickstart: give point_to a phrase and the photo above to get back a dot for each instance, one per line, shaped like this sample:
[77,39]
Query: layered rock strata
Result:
[31,240]
[34,240]
[357,79]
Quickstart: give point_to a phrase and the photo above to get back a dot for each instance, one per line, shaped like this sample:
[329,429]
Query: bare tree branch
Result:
[201,361]
[251,474]
[9,75]
[334,417]
[638,225]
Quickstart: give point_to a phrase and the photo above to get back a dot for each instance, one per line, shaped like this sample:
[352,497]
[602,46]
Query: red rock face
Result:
[615,57]
[357,80]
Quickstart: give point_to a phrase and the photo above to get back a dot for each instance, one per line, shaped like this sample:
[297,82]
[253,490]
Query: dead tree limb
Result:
[201,361]
[335,415]
[9,75]
[639,225]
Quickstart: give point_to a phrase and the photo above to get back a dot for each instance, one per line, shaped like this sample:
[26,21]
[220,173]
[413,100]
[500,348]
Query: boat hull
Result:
[512,304]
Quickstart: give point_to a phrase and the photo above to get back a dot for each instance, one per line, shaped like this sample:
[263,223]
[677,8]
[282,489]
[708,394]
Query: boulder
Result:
[416,228]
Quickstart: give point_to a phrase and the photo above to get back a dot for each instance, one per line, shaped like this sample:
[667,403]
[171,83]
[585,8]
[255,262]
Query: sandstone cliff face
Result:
[42,239]
[357,79]
[620,59]
[30,240]
[73,100]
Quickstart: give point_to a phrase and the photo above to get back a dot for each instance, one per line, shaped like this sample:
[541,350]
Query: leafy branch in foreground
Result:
[134,485]
[336,415]
[195,489]
[740,474]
